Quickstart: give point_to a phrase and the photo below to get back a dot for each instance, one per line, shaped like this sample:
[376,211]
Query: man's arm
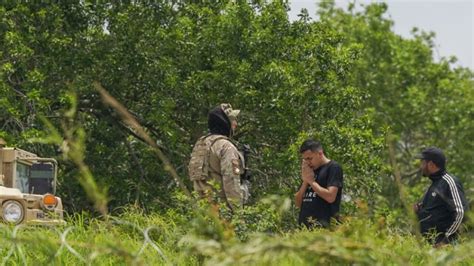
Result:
[231,168]
[457,195]
[307,175]
[300,193]
[328,194]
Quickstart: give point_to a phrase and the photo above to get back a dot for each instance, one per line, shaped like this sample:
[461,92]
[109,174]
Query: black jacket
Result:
[443,206]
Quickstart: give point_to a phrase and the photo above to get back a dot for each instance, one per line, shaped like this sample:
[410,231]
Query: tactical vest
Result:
[198,168]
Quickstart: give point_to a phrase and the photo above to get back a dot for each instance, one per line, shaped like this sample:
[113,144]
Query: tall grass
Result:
[195,236]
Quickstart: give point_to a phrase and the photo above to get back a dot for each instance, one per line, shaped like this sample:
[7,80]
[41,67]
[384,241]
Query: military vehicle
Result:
[27,188]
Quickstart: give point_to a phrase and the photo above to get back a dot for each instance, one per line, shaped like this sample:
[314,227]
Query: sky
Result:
[451,20]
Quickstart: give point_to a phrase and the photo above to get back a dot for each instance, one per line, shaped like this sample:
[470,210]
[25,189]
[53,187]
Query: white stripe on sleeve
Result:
[457,205]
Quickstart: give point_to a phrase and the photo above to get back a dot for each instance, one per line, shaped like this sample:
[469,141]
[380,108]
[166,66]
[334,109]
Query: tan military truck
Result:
[27,188]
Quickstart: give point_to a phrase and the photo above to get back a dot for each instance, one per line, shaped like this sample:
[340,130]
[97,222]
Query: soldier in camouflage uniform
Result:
[216,164]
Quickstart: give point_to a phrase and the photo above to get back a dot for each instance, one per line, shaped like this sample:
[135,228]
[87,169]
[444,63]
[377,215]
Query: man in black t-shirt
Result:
[319,196]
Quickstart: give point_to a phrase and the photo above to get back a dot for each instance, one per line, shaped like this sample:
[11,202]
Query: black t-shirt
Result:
[314,209]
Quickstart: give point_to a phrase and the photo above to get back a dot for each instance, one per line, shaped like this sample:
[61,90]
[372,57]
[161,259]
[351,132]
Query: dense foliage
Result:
[170,63]
[345,78]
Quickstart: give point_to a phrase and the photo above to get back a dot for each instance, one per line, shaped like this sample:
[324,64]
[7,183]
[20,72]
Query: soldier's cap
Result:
[433,154]
[229,112]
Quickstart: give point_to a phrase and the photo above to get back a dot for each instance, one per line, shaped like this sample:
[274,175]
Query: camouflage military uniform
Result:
[225,167]
[216,164]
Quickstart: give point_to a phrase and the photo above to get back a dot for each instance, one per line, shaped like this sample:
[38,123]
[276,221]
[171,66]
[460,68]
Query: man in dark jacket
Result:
[442,208]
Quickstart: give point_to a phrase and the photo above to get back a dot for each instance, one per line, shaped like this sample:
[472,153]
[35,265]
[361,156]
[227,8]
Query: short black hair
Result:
[311,144]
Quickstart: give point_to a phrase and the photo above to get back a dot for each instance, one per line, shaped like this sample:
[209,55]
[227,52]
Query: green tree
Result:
[423,102]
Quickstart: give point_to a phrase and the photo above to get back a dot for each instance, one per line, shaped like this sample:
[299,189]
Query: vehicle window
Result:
[42,178]
[22,177]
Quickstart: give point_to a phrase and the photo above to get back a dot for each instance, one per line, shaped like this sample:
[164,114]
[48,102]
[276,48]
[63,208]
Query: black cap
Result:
[435,155]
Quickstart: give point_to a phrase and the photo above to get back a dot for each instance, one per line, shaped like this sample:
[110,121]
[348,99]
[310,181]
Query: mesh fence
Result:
[24,244]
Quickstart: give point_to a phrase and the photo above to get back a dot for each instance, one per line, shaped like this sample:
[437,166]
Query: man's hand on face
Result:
[307,173]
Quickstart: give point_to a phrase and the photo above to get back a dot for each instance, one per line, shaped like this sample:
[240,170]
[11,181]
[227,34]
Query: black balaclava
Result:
[218,122]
